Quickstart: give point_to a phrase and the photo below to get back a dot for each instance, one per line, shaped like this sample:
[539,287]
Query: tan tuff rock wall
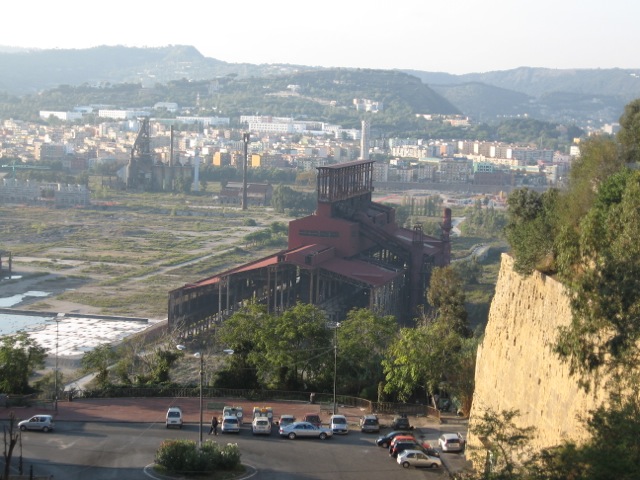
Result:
[516,368]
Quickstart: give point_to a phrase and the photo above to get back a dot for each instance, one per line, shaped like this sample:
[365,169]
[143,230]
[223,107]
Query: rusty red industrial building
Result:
[349,253]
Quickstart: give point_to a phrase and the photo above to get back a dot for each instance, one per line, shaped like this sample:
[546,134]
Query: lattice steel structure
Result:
[349,253]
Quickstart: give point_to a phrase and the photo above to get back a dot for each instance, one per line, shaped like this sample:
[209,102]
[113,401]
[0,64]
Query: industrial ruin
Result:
[350,253]
[144,172]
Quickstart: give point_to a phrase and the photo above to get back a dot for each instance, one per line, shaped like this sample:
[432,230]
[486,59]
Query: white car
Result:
[339,424]
[451,442]
[230,424]
[174,417]
[37,422]
[416,458]
[261,425]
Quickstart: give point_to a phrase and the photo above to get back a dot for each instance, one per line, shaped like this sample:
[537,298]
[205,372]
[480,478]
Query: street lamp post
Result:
[200,356]
[335,364]
[55,372]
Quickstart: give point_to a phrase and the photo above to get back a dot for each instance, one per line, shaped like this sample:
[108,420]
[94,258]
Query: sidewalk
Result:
[153,410]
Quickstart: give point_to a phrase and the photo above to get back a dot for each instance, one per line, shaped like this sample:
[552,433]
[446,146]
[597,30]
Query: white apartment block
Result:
[64,116]
[122,114]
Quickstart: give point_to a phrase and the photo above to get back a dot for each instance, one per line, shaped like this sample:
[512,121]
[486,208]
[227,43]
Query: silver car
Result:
[416,458]
[303,430]
[451,442]
[230,425]
[37,422]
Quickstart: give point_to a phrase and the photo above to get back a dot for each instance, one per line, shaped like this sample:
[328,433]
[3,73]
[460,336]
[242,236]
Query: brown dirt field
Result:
[122,259]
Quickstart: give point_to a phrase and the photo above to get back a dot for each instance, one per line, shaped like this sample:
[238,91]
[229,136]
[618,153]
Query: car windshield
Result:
[174,414]
[230,420]
[371,421]
[339,420]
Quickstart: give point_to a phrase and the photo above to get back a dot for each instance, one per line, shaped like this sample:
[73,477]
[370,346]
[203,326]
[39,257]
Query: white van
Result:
[174,417]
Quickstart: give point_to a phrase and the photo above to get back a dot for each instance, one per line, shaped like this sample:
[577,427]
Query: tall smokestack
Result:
[364,140]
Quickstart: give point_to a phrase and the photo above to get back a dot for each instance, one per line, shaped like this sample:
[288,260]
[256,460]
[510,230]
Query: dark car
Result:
[385,440]
[312,418]
[401,422]
[408,445]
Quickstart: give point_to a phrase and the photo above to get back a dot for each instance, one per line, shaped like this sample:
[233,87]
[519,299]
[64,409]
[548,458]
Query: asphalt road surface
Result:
[87,450]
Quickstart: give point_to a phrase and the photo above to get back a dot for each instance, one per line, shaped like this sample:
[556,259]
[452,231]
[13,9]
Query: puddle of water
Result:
[8,302]
[10,324]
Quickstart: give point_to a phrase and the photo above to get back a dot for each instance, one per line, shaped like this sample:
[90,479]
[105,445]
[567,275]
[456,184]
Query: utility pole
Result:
[245,139]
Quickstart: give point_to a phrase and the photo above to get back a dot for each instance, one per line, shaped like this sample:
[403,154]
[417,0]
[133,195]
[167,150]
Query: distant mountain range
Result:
[570,96]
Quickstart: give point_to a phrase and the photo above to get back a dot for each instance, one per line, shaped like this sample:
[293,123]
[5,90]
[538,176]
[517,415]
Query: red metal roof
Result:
[362,271]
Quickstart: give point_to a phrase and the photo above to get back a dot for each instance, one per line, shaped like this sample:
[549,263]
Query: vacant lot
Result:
[123,255]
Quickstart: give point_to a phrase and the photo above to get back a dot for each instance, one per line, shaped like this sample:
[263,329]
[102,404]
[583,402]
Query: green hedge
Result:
[184,457]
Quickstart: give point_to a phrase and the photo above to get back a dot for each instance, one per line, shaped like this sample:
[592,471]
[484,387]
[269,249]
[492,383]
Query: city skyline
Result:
[463,36]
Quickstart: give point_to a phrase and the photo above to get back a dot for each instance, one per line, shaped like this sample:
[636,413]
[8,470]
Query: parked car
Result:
[402,438]
[369,423]
[230,424]
[37,422]
[406,444]
[385,440]
[174,417]
[285,420]
[237,412]
[263,412]
[401,422]
[261,425]
[417,458]
[451,442]
[339,424]
[312,418]
[305,429]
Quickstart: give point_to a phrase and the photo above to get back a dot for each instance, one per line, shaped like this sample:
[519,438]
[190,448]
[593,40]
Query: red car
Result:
[312,418]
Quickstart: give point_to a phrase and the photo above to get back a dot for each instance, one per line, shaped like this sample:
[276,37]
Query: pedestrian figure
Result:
[214,426]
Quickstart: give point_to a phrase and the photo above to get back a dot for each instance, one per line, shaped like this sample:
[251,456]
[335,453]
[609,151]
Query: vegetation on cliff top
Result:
[587,237]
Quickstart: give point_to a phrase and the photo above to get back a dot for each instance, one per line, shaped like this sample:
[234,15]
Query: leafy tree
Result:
[241,333]
[294,348]
[446,295]
[504,443]
[11,437]
[20,356]
[599,159]
[629,134]
[285,198]
[98,361]
[363,338]
[48,384]
[531,229]
[605,304]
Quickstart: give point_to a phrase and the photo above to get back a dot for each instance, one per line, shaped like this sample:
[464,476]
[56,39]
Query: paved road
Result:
[116,438]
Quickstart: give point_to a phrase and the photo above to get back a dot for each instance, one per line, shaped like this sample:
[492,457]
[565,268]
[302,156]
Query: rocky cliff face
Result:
[516,367]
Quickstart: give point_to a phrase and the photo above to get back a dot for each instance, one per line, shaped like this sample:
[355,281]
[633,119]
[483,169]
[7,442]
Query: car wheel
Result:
[292,436]
[384,445]
[406,464]
[433,465]
[45,429]
[323,436]
[23,428]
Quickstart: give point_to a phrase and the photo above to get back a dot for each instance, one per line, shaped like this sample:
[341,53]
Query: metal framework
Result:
[387,270]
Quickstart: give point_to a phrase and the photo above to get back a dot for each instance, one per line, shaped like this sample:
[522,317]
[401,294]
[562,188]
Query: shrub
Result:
[183,456]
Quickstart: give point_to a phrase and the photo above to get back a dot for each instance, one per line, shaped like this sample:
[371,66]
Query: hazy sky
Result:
[454,36]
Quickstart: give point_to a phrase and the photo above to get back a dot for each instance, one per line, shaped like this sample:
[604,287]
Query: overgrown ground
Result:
[124,255]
